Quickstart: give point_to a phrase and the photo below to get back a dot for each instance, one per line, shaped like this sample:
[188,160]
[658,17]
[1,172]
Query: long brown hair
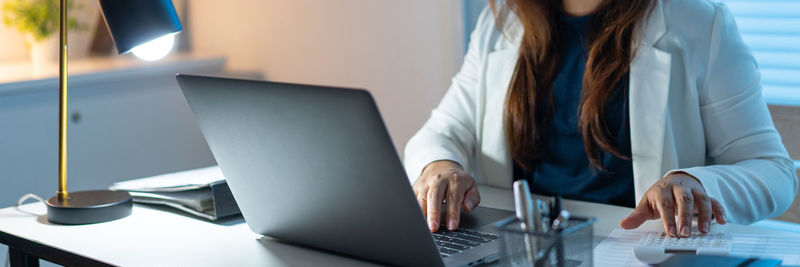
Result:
[529,102]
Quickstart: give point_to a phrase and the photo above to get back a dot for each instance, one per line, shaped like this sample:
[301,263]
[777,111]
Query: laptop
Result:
[315,166]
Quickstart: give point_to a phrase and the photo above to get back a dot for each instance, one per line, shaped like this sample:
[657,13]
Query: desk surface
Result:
[155,236]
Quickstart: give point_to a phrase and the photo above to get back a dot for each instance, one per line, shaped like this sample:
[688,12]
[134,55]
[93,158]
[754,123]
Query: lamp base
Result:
[89,207]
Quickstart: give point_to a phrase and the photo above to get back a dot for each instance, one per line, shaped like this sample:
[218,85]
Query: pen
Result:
[524,211]
[543,215]
[537,215]
[560,221]
[559,218]
[556,209]
[522,202]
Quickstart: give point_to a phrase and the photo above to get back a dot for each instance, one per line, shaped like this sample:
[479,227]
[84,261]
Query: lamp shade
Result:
[135,22]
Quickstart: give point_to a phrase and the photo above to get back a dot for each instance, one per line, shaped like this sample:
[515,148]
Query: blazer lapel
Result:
[495,156]
[648,94]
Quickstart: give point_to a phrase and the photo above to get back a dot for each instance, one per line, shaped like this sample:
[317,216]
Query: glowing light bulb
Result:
[155,49]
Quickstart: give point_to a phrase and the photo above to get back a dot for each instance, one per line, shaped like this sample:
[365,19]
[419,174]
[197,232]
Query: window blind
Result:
[771,28]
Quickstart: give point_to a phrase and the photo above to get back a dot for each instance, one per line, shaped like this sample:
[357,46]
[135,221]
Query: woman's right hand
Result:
[445,180]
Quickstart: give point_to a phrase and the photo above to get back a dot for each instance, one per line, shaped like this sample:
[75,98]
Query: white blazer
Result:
[695,106]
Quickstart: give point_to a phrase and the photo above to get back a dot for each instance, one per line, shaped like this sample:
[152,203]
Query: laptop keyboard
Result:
[452,242]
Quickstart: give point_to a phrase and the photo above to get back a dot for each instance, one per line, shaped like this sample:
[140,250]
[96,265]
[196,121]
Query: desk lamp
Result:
[144,27]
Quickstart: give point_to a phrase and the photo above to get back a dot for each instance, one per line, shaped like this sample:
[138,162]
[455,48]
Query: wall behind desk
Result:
[12,44]
[404,52]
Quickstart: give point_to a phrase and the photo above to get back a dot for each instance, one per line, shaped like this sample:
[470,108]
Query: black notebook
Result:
[201,192]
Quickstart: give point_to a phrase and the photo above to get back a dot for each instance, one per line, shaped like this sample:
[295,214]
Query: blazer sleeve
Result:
[449,134]
[751,173]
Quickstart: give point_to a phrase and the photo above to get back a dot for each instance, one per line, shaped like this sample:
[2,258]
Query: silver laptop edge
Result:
[315,166]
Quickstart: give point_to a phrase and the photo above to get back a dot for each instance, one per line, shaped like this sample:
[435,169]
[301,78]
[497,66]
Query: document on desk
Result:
[617,248]
[202,192]
[173,182]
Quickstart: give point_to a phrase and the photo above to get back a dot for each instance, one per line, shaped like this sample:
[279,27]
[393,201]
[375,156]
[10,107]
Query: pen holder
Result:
[571,246]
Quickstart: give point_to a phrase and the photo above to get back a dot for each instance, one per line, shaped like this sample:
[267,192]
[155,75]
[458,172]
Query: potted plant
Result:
[38,21]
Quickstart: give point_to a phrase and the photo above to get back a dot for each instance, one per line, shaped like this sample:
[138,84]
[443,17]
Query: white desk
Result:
[157,237]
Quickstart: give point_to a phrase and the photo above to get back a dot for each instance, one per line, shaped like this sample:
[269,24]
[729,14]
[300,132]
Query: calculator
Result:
[655,247]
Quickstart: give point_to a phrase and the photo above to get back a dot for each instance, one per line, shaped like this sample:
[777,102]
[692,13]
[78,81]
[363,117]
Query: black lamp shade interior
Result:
[135,22]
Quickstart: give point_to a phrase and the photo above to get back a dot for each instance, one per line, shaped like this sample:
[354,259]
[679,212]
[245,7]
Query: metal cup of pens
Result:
[542,234]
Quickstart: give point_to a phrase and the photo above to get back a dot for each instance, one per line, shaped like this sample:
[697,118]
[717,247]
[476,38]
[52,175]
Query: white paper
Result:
[617,248]
[786,248]
[173,182]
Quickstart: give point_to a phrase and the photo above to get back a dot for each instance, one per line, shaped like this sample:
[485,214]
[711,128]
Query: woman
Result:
[607,101]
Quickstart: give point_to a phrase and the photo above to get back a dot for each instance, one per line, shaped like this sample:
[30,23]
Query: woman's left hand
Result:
[677,193]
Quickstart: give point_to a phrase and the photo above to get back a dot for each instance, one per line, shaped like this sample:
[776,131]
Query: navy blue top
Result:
[566,170]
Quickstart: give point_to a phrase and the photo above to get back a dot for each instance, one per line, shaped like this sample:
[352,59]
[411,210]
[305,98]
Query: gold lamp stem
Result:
[62,103]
